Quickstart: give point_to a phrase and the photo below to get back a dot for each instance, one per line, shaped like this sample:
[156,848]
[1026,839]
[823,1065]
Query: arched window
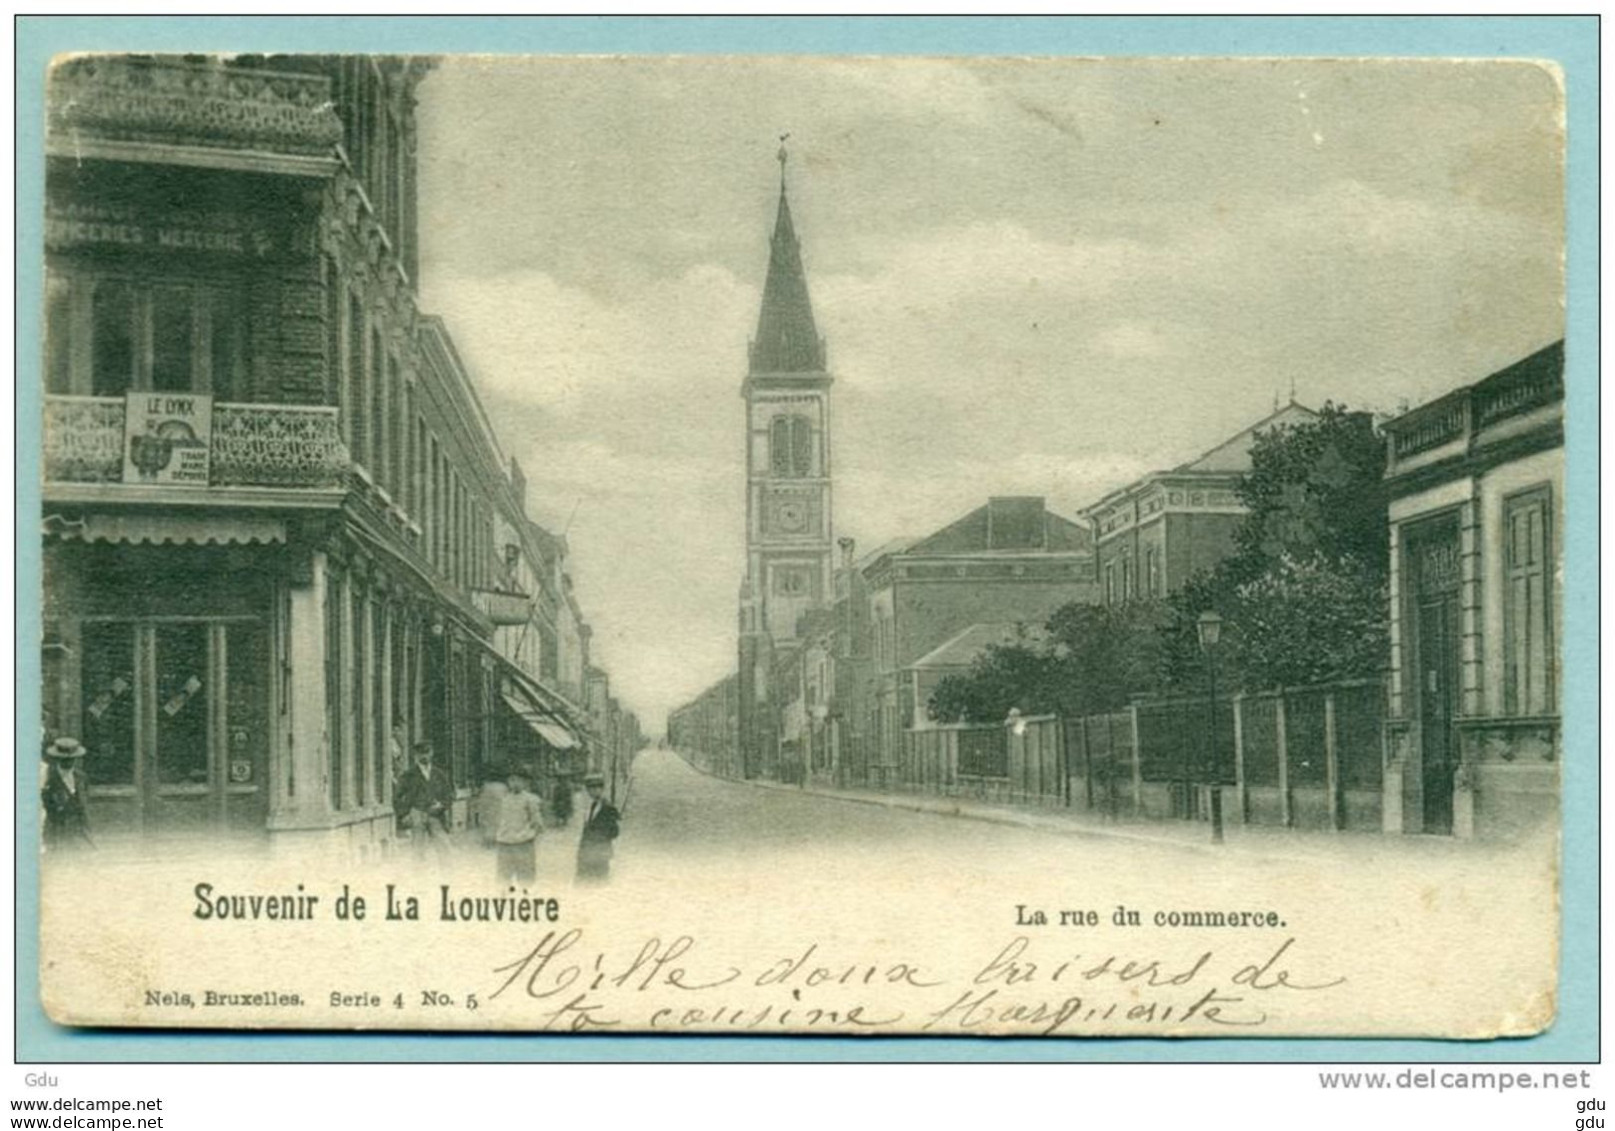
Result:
[790,446]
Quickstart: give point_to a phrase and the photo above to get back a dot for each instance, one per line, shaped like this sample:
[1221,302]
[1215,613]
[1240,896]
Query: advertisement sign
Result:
[166,438]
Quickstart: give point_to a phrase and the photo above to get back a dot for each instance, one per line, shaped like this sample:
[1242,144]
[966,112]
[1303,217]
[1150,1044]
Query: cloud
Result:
[1034,277]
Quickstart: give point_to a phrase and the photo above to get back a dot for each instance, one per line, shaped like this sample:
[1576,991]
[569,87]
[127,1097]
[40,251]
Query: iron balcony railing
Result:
[194,102]
[251,445]
[1465,413]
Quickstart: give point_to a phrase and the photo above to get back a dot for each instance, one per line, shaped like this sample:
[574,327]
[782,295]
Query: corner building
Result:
[273,511]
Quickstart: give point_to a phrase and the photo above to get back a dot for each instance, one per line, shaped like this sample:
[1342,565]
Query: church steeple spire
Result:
[787,339]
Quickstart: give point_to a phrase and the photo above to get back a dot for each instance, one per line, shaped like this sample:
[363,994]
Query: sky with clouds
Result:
[1035,277]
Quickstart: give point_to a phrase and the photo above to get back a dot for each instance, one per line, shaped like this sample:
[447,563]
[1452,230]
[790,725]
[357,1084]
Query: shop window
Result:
[246,652]
[359,669]
[380,725]
[182,704]
[107,691]
[1528,605]
[335,731]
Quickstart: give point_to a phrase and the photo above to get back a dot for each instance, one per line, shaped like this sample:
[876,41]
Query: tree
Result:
[1303,598]
[1105,654]
[1001,676]
[1315,488]
[1090,659]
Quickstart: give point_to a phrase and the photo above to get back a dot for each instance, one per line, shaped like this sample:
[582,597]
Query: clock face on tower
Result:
[789,514]
[792,517]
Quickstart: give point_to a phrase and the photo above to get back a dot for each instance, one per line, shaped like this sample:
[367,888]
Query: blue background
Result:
[1570,41]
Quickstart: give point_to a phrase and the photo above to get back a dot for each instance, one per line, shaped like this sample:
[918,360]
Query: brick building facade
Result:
[281,541]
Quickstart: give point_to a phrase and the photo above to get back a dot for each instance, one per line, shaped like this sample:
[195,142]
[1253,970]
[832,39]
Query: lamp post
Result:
[1209,628]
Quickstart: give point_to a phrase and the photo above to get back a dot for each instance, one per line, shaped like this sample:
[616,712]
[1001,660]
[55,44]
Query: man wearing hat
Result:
[600,828]
[423,798]
[67,825]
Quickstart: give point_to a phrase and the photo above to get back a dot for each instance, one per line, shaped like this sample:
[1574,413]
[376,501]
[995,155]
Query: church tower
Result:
[788,532]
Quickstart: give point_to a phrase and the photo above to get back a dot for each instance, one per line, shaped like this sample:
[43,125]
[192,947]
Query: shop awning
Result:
[545,726]
[159,529]
[554,734]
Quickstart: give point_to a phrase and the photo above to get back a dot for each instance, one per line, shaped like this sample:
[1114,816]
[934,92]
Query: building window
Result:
[172,344]
[1127,580]
[112,344]
[355,404]
[335,657]
[380,724]
[108,689]
[1110,583]
[1152,573]
[169,337]
[378,415]
[1528,651]
[790,446]
[359,672]
[790,581]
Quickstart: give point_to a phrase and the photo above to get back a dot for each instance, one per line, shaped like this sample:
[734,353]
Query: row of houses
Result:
[1462,736]
[282,542]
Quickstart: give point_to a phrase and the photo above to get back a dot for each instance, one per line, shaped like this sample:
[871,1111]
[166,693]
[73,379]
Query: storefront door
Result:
[176,723]
[1438,619]
[1433,561]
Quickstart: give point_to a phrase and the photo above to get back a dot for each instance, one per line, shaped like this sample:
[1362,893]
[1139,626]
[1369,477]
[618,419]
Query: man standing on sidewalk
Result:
[600,827]
[515,836]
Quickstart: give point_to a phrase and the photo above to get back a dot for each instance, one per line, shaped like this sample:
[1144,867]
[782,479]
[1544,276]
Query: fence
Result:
[988,762]
[1307,757]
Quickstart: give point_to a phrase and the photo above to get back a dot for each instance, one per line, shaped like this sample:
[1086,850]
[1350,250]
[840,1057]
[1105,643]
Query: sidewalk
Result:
[1193,836]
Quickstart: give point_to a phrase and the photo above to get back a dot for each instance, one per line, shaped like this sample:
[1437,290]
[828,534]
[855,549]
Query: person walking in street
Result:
[67,821]
[600,828]
[422,799]
[519,820]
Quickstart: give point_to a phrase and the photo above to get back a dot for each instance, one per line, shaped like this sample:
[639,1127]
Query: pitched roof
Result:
[1014,523]
[1231,457]
[787,339]
[958,651]
[890,546]
[1234,453]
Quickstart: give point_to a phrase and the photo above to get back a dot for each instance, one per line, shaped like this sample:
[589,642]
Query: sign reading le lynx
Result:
[166,438]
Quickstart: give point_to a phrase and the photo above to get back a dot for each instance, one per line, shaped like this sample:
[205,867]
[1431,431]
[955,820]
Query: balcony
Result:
[205,112]
[287,447]
[1479,415]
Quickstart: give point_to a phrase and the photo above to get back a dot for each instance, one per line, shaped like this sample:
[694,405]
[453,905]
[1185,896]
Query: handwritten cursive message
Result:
[564,982]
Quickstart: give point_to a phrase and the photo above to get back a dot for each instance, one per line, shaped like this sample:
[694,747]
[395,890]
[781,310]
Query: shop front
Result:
[163,669]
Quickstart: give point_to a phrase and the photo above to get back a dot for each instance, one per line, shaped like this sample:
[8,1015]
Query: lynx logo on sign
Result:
[166,438]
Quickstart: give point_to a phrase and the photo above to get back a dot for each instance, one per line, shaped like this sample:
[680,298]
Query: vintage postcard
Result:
[764,545]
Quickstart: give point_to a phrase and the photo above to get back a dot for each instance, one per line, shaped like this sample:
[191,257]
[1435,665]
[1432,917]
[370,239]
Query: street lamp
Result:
[1209,628]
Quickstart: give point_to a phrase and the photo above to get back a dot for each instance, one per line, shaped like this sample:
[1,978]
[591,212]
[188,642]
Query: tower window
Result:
[790,446]
[790,581]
